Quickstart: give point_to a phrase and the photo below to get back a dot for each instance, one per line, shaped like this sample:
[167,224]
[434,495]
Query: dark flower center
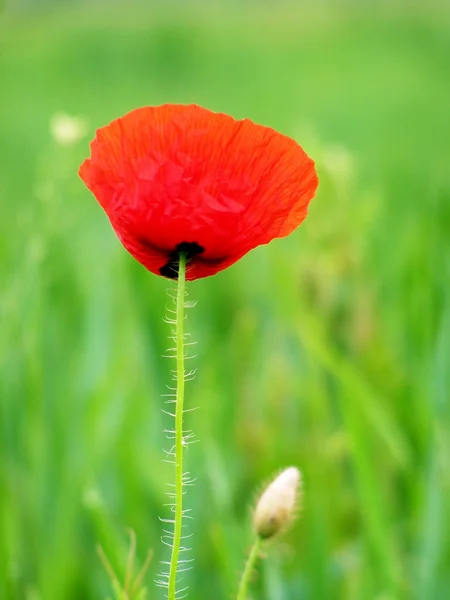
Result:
[190,249]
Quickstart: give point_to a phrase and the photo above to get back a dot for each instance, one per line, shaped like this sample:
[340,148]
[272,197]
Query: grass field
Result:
[329,350]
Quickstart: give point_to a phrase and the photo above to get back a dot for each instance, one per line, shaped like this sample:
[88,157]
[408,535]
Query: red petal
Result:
[172,174]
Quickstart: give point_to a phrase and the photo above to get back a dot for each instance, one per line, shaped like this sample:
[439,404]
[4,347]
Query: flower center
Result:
[190,249]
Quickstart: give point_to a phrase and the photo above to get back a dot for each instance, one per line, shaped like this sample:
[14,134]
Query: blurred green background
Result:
[329,350]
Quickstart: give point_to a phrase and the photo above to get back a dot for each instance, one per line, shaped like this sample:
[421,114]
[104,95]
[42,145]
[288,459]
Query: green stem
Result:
[177,532]
[249,566]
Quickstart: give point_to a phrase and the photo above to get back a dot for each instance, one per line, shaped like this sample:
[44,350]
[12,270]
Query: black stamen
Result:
[190,249]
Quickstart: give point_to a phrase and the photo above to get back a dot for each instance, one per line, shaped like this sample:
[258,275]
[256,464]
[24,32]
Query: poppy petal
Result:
[172,175]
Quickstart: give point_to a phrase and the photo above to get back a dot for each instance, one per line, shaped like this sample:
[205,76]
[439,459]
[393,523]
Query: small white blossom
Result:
[338,161]
[278,504]
[67,129]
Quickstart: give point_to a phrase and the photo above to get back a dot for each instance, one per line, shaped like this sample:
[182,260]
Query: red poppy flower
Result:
[184,179]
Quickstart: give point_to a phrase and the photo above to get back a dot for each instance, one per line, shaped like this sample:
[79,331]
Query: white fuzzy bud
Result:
[278,504]
[67,129]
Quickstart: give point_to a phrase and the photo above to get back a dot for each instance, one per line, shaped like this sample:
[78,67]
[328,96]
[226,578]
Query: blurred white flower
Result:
[278,504]
[338,161]
[67,129]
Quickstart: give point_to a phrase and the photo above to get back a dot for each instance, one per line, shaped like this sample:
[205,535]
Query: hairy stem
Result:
[178,521]
[249,566]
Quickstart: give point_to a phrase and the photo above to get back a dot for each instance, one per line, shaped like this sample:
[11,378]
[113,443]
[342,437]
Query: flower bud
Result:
[278,504]
[67,129]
